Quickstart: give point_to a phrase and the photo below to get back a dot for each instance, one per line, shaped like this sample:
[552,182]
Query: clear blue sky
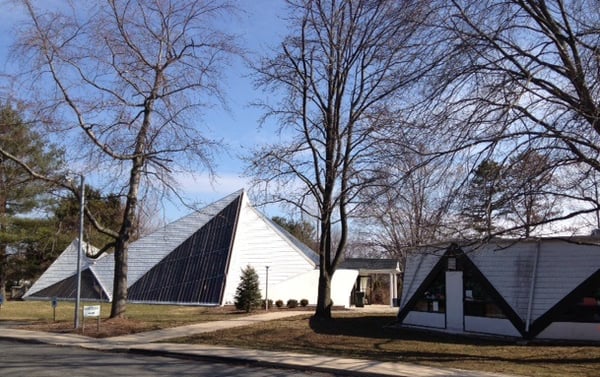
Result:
[261,27]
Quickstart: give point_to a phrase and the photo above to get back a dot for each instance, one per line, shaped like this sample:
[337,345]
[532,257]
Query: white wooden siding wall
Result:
[418,266]
[509,270]
[257,244]
[561,268]
[104,270]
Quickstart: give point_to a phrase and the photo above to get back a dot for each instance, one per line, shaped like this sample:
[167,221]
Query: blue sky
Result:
[261,27]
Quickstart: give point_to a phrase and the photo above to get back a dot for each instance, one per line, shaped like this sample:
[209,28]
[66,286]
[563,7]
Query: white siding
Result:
[425,319]
[305,286]
[571,331]
[562,267]
[495,326]
[418,266]
[258,244]
[509,268]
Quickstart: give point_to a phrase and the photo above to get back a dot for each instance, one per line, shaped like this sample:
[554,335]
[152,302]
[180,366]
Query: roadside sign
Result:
[1,299]
[91,311]
[54,302]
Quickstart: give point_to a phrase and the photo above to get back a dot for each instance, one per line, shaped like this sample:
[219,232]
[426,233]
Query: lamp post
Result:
[267,288]
[79,249]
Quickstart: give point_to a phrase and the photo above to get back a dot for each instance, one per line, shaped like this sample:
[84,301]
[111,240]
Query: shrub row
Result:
[291,303]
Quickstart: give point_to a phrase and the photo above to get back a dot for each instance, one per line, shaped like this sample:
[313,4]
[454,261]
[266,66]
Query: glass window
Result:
[477,301]
[586,307]
[434,297]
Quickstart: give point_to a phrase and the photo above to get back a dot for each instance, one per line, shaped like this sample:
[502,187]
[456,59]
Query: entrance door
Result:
[454,301]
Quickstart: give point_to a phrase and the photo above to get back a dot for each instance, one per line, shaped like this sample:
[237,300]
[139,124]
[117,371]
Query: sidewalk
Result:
[143,343]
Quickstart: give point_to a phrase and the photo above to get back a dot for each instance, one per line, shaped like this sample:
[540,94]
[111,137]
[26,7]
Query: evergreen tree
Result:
[302,230]
[485,199]
[108,210]
[19,192]
[247,295]
[529,177]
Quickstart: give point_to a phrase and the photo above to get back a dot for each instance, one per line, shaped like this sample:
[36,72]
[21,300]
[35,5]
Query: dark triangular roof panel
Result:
[66,289]
[194,272]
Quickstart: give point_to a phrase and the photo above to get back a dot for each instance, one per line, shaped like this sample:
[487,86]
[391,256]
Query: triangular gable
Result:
[514,267]
[509,268]
[194,271]
[146,252]
[560,311]
[306,251]
[63,267]
[66,289]
[260,243]
[462,261]
[562,267]
[416,269]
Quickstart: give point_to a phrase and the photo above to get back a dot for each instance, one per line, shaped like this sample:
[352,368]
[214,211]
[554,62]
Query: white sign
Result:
[91,311]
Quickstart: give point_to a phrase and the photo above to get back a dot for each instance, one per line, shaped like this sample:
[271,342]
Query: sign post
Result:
[91,311]
[54,305]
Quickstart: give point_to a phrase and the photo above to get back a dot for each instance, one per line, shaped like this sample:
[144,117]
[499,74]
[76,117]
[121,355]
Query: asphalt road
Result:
[33,360]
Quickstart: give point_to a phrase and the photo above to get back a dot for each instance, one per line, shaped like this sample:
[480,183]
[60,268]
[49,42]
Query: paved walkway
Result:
[143,343]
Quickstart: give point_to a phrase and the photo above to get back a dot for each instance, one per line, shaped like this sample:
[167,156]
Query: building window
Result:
[434,298]
[586,307]
[477,301]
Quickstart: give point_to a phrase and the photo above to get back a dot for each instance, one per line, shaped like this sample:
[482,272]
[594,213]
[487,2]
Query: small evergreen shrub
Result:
[303,302]
[279,303]
[264,302]
[292,303]
[247,295]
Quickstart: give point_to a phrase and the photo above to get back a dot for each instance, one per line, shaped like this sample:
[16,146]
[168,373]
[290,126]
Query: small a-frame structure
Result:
[538,288]
[198,259]
[60,279]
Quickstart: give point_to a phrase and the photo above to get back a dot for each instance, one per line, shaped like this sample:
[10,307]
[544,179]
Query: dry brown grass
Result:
[350,334]
[367,337]
[39,315]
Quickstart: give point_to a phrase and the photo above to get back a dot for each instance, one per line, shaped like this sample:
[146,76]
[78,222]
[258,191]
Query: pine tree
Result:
[247,295]
[485,199]
[19,193]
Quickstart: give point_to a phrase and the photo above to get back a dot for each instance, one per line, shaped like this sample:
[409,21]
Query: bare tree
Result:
[524,75]
[411,207]
[343,64]
[121,83]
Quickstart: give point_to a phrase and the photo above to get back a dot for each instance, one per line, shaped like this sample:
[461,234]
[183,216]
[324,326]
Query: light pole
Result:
[267,289]
[79,248]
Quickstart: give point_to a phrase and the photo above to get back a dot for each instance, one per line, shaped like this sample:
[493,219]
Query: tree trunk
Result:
[324,303]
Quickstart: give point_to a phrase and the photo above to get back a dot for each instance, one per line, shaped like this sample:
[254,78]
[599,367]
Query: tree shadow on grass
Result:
[437,347]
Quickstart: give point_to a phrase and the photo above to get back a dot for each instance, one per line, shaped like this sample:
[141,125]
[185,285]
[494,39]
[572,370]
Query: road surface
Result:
[37,360]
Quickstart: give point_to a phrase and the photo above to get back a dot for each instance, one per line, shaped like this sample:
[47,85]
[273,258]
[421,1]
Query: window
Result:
[434,297]
[477,301]
[586,307]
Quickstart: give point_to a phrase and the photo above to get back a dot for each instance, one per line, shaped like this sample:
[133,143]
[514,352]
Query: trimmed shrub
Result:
[303,302]
[292,303]
[264,303]
[279,303]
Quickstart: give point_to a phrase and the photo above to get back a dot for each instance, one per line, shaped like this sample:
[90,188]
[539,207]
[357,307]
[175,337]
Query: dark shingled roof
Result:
[368,264]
